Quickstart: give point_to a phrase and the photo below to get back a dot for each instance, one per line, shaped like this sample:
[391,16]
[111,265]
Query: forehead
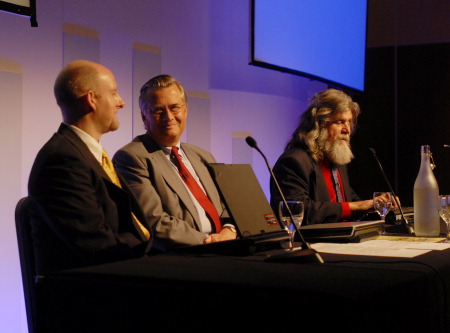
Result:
[171,94]
[346,115]
[106,80]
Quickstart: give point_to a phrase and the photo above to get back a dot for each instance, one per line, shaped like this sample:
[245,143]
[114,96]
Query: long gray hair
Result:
[323,107]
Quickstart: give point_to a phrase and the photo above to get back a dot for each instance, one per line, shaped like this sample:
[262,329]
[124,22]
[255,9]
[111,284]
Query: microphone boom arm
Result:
[305,246]
[404,221]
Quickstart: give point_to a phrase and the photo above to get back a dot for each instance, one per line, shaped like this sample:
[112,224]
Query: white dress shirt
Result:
[204,220]
[94,146]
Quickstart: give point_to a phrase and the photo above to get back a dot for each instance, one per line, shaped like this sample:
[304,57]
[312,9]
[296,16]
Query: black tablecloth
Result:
[167,293]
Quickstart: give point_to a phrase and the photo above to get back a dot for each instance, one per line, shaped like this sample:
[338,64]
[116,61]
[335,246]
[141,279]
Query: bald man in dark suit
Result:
[80,215]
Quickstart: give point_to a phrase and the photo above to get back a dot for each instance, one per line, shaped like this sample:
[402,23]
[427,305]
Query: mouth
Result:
[343,140]
[168,126]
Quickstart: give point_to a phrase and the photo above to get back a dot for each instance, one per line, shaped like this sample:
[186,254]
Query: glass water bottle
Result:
[426,191]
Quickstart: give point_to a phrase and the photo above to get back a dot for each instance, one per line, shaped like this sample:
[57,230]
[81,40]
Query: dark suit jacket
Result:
[162,195]
[80,217]
[301,179]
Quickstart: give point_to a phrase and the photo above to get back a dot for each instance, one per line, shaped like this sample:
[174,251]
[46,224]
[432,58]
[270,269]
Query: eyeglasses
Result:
[174,109]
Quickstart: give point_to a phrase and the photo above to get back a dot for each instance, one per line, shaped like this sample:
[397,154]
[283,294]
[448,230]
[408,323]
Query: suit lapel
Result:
[321,189]
[344,176]
[73,138]
[205,177]
[165,167]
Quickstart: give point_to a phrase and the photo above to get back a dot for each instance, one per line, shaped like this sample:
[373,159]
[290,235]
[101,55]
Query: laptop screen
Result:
[244,199]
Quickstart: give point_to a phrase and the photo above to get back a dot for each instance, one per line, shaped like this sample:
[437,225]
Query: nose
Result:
[346,128]
[167,114]
[121,102]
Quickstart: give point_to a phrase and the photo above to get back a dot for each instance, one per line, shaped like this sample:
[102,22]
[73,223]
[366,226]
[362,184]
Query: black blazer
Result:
[79,216]
[301,178]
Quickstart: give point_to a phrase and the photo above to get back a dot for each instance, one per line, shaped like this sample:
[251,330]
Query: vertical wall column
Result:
[198,128]
[80,43]
[146,64]
[242,153]
[11,110]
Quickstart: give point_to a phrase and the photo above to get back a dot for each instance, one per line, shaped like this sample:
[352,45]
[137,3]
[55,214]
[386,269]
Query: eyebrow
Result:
[163,106]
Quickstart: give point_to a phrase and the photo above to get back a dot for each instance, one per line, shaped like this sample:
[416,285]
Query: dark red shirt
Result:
[326,171]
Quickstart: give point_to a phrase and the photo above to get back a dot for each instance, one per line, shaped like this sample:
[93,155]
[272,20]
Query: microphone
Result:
[306,254]
[409,229]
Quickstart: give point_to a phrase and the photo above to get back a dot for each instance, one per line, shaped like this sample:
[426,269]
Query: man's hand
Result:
[394,203]
[386,196]
[223,235]
[361,205]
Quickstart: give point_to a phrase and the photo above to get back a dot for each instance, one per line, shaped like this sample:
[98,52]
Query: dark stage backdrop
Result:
[406,104]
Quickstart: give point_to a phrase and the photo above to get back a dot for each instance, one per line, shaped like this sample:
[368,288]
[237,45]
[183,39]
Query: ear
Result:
[143,120]
[91,100]
[142,116]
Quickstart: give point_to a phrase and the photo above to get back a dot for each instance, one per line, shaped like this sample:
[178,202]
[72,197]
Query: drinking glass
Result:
[444,212]
[297,210]
[382,202]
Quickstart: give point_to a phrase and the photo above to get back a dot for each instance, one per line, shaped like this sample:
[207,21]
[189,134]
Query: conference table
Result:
[218,293]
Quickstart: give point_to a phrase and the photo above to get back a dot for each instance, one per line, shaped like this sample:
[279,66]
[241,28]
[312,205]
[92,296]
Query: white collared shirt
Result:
[93,145]
[204,220]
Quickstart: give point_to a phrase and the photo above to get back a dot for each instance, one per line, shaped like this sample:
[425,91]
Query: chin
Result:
[113,127]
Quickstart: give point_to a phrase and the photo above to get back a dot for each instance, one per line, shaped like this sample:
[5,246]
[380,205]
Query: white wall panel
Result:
[146,64]
[11,299]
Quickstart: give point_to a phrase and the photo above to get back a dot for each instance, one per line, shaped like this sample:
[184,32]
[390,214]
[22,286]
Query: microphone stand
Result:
[306,254]
[408,228]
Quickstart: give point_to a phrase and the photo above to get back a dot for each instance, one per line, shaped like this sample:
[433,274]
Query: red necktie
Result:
[196,191]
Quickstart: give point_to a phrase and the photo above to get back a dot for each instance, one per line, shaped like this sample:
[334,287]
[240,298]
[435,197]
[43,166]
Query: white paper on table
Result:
[380,248]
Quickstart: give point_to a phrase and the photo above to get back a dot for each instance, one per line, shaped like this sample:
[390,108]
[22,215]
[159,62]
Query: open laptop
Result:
[246,202]
[248,207]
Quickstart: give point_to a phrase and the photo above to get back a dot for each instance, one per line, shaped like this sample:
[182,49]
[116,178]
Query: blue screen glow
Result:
[323,39]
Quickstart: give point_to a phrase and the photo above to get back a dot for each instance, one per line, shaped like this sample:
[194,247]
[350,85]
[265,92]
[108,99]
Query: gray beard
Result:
[339,151]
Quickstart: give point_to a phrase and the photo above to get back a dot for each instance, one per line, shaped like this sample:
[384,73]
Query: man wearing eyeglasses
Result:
[170,179]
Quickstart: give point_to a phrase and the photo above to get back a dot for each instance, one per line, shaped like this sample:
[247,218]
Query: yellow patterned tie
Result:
[112,174]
